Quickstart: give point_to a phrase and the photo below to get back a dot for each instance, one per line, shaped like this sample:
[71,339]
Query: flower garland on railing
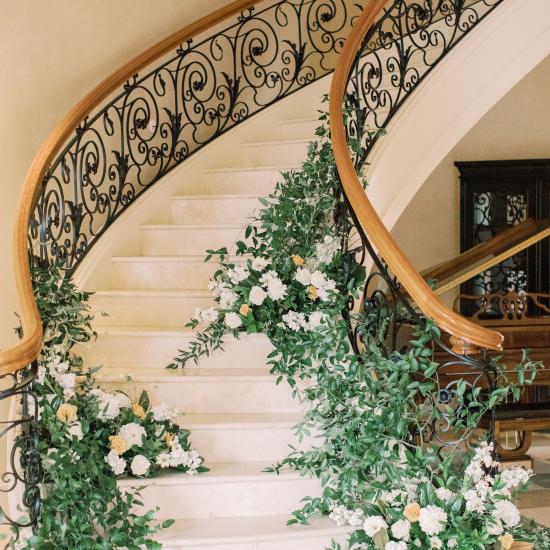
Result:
[371,409]
[91,436]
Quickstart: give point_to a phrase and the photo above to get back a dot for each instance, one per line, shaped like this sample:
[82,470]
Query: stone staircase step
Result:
[262,153]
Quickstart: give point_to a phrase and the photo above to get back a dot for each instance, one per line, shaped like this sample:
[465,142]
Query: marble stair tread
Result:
[238,531]
[209,196]
[188,374]
[238,420]
[183,258]
[256,168]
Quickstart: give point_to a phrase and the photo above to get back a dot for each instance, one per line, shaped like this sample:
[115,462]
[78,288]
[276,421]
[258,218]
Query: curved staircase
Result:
[239,419]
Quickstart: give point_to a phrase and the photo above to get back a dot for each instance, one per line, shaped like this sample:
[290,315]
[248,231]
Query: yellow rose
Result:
[298,260]
[67,413]
[118,444]
[244,309]
[506,541]
[412,512]
[168,438]
[137,409]
[312,293]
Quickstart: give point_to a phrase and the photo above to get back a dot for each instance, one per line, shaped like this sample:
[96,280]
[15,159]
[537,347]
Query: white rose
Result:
[232,320]
[401,529]
[76,431]
[140,465]
[117,463]
[507,512]
[374,524]
[124,402]
[318,279]
[259,264]
[316,319]
[257,295]
[432,519]
[392,545]
[133,433]
[303,276]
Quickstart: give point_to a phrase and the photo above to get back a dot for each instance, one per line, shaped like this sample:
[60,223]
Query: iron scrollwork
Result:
[401,49]
[159,119]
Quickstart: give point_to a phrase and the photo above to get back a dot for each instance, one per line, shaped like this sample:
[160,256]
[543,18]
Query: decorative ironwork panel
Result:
[159,119]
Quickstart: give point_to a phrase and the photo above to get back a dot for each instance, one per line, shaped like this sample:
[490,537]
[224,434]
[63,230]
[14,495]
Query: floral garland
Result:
[91,436]
[371,409]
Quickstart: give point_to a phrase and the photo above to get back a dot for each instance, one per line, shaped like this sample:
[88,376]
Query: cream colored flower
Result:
[118,444]
[412,512]
[67,413]
[137,409]
[244,309]
[506,541]
[297,260]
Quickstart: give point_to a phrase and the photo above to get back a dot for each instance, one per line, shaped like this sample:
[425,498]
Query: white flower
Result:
[140,465]
[257,295]
[295,320]
[452,543]
[316,319]
[232,320]
[432,519]
[392,545]
[56,366]
[163,412]
[495,528]
[444,494]
[259,264]
[67,381]
[318,279]
[206,315]
[217,287]
[374,524]
[303,276]
[355,517]
[124,402]
[401,529]
[228,298]
[474,503]
[133,433]
[163,460]
[237,274]
[179,456]
[338,514]
[276,290]
[514,478]
[326,249]
[109,404]
[507,512]
[117,463]
[436,542]
[41,374]
[268,276]
[76,431]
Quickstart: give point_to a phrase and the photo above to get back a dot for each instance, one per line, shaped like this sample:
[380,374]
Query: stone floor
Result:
[535,503]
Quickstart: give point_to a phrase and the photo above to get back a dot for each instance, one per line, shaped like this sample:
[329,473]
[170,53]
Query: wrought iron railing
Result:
[189,98]
[395,56]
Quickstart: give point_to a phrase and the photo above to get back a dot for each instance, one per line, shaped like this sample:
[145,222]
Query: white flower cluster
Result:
[317,279]
[275,288]
[259,264]
[54,365]
[178,456]
[297,321]
[205,315]
[133,434]
[139,466]
[110,404]
[327,249]
[163,412]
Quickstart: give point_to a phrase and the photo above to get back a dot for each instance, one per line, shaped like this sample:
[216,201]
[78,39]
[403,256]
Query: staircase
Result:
[240,420]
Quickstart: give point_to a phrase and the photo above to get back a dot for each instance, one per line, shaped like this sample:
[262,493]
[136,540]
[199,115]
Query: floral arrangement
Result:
[91,436]
[294,282]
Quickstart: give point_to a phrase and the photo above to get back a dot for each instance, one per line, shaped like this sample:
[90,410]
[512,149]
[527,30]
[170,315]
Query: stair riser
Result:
[213,210]
[307,543]
[231,395]
[144,311]
[291,153]
[244,444]
[162,274]
[176,241]
[259,182]
[229,498]
[136,352]
[303,129]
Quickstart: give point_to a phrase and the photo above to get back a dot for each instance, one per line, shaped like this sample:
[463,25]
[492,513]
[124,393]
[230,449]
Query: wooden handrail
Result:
[26,351]
[412,281]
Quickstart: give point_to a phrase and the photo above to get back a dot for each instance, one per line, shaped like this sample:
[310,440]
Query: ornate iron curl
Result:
[400,50]
[23,475]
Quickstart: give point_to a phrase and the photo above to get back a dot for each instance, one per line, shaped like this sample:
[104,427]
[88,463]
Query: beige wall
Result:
[517,127]
[52,52]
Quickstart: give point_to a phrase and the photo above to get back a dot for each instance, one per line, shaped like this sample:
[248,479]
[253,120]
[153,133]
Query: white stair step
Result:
[293,152]
[165,272]
[244,437]
[203,390]
[213,209]
[187,240]
[251,533]
[142,308]
[299,128]
[155,347]
[259,180]
[229,489]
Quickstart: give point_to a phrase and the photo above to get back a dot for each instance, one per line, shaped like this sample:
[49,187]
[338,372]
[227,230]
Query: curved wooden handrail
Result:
[26,351]
[413,283]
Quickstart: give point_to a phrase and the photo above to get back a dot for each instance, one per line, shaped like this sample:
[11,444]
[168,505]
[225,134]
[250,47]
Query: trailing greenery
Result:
[89,437]
[378,412]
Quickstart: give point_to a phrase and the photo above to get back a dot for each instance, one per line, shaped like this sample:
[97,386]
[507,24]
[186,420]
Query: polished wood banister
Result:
[412,281]
[26,351]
